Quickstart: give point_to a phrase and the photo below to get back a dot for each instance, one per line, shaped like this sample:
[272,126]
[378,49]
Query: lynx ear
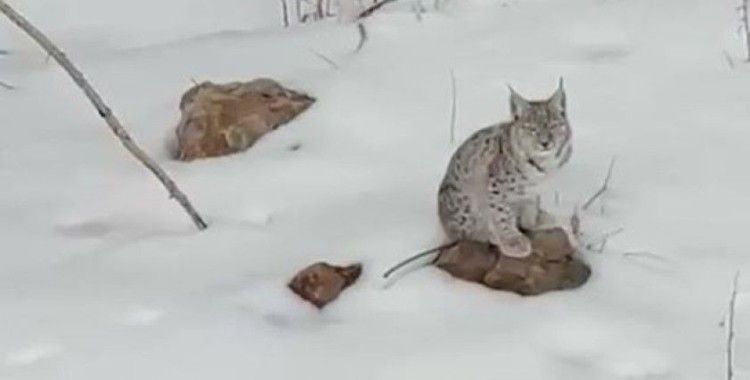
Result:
[557,99]
[518,105]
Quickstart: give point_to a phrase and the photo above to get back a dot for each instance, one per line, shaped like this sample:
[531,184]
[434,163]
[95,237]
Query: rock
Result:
[221,119]
[321,283]
[551,265]
[469,260]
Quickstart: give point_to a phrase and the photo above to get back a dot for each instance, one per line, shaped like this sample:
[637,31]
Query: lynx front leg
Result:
[505,234]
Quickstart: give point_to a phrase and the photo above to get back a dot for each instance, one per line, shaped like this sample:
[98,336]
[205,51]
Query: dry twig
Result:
[745,26]
[103,110]
[417,256]
[604,187]
[373,8]
[362,36]
[575,222]
[603,240]
[730,328]
[299,10]
[285,13]
[327,60]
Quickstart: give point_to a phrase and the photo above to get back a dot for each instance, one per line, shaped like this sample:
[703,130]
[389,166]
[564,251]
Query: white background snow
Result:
[102,277]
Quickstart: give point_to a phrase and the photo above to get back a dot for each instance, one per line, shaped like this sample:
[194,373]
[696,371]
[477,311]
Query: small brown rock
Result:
[220,119]
[551,265]
[321,283]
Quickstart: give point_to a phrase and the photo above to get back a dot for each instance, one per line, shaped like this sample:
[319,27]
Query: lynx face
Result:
[540,128]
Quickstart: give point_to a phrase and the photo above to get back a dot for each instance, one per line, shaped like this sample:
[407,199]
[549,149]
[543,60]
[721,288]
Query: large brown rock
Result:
[322,283]
[551,265]
[220,119]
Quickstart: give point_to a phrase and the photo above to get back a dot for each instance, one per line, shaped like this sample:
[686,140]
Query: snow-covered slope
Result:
[101,276]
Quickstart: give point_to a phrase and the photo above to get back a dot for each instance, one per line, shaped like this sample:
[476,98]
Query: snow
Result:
[101,276]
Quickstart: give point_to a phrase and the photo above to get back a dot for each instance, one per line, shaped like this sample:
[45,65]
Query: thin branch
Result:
[7,86]
[417,256]
[453,106]
[745,26]
[362,36]
[103,110]
[604,239]
[730,328]
[575,222]
[373,8]
[285,13]
[327,60]
[604,187]
[319,10]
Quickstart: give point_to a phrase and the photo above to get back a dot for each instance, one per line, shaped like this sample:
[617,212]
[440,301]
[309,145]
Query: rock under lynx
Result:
[485,194]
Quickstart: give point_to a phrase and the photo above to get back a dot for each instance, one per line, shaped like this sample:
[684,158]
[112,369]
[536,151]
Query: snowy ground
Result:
[101,277]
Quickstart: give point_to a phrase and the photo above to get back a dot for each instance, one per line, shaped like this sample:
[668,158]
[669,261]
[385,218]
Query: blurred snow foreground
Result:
[100,277]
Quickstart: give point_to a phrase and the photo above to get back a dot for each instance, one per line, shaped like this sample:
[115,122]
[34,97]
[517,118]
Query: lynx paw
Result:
[515,245]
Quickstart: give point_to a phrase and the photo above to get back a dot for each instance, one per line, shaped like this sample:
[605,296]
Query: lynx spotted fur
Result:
[486,193]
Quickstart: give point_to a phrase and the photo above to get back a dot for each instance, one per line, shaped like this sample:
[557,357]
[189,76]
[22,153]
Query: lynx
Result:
[486,193]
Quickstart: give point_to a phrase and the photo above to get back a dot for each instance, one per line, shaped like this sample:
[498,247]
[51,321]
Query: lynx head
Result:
[540,129]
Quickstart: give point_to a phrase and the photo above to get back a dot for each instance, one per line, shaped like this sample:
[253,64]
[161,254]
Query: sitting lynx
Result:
[484,194]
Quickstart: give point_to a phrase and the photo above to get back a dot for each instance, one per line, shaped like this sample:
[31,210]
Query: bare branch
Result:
[373,8]
[604,187]
[362,36]
[285,13]
[319,10]
[745,24]
[104,111]
[327,60]
[575,222]
[603,240]
[730,328]
[418,256]
[453,106]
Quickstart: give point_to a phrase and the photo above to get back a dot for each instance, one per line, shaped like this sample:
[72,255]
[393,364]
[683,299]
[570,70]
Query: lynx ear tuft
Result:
[518,105]
[557,99]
